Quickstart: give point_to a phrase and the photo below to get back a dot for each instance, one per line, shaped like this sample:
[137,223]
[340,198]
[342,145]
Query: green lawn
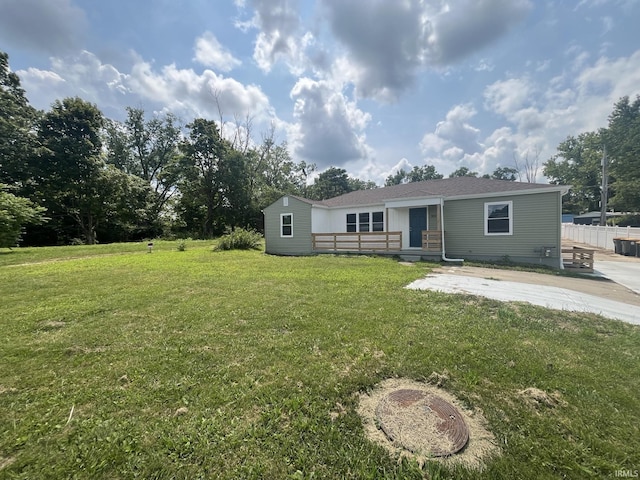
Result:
[117,363]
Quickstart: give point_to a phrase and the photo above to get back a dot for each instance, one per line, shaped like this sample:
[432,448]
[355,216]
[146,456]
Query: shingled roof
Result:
[447,188]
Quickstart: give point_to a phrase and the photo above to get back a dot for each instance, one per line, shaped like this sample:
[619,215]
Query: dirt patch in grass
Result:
[539,398]
[52,325]
[480,448]
[4,389]
[181,411]
[5,462]
[80,349]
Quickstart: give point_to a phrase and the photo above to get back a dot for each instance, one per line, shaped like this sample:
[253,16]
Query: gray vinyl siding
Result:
[536,224]
[300,242]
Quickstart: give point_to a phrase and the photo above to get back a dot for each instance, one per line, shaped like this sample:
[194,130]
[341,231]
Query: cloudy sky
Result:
[366,85]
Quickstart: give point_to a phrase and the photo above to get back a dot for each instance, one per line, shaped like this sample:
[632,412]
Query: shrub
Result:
[182,246]
[240,239]
[629,220]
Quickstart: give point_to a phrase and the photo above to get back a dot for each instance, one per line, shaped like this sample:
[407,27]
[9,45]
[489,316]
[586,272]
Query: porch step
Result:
[411,258]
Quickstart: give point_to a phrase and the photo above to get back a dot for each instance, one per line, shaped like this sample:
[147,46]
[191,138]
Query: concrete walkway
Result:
[542,295]
[625,273]
[618,299]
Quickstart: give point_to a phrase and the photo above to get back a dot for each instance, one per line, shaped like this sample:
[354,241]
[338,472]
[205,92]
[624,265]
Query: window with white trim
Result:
[286,224]
[365,222]
[498,218]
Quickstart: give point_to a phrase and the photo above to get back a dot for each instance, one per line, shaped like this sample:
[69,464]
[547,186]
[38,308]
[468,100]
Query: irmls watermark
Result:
[627,473]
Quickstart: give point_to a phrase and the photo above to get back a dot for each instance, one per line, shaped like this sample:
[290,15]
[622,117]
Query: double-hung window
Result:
[286,224]
[377,223]
[352,224]
[363,219]
[365,222]
[498,218]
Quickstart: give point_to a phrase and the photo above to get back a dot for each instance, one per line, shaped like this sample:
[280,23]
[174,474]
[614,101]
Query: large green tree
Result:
[425,172]
[214,192]
[330,183]
[149,150]
[17,121]
[83,194]
[69,164]
[397,178]
[578,163]
[358,184]
[504,173]
[463,172]
[272,173]
[622,141]
[416,174]
[124,209]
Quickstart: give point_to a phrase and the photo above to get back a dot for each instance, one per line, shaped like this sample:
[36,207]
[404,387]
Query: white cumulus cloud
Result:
[329,128]
[538,117]
[210,53]
[185,92]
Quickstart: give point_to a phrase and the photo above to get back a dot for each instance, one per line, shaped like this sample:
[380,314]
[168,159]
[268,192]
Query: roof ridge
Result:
[442,187]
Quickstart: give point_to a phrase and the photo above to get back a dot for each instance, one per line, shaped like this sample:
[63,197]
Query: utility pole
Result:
[604,189]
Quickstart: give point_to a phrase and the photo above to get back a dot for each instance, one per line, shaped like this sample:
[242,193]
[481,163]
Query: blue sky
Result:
[370,86]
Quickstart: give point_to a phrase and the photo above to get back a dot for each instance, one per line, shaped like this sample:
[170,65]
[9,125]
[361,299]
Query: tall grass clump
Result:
[240,239]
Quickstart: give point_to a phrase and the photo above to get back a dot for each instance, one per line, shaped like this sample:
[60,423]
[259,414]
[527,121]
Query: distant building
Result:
[592,218]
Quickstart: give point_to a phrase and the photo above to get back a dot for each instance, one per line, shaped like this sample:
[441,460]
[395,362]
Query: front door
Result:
[417,223]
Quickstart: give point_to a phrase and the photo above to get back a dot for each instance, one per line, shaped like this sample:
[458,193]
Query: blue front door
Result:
[417,223]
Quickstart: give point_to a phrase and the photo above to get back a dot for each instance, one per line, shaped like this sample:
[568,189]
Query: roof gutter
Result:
[444,255]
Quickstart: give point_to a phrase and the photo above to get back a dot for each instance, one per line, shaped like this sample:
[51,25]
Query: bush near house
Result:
[631,220]
[240,239]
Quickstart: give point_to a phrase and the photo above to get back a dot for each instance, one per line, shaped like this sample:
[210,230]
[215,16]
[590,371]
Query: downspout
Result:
[444,254]
[562,194]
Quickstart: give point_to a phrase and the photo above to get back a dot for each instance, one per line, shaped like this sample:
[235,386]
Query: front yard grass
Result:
[117,363]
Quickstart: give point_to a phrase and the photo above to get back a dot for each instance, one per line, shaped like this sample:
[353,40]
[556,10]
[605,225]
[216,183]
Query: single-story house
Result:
[593,218]
[449,219]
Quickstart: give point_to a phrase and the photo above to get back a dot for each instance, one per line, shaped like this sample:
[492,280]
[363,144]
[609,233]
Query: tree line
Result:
[70,175]
[579,163]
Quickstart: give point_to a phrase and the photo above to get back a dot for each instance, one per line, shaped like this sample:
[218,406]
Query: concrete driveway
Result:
[613,291]
[625,273]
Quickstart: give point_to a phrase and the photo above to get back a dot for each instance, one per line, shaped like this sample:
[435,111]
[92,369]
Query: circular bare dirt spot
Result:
[413,419]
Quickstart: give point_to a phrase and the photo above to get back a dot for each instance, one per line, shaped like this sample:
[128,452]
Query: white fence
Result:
[596,236]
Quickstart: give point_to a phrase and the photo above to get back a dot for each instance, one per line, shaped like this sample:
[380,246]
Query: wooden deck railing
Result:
[357,242]
[372,241]
[432,240]
[577,258]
